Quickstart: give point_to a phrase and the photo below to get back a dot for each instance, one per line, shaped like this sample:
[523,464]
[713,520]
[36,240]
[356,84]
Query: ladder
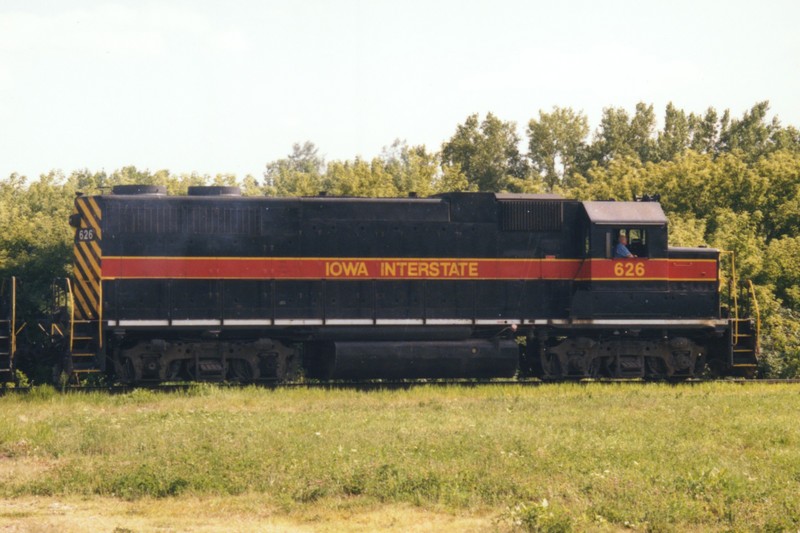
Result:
[744,347]
[85,341]
[743,331]
[79,338]
[8,328]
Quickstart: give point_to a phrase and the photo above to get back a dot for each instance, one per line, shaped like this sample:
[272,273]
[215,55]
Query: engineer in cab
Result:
[621,251]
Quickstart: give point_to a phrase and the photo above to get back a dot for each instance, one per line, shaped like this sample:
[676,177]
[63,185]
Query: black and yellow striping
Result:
[88,258]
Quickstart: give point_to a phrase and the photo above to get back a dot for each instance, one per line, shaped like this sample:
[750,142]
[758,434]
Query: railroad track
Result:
[381,385]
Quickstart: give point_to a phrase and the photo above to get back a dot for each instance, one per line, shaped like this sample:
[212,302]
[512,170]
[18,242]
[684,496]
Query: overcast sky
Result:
[217,87]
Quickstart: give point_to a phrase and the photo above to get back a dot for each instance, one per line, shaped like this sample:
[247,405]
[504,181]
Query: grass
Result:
[551,458]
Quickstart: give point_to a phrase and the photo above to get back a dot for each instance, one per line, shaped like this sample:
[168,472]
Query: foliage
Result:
[729,182]
[557,145]
[487,153]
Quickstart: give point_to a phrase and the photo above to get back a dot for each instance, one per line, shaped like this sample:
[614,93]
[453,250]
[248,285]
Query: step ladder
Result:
[8,328]
[743,331]
[84,347]
[84,341]
[743,347]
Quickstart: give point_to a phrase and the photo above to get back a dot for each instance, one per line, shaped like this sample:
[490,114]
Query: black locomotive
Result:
[214,286]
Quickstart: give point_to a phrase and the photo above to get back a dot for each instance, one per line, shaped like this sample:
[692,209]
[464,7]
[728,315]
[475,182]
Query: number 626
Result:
[629,270]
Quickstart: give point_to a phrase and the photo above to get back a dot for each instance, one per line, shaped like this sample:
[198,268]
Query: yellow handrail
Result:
[100,316]
[757,312]
[734,292]
[14,332]
[71,304]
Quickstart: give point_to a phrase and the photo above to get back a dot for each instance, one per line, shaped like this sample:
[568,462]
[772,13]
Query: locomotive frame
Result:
[214,286]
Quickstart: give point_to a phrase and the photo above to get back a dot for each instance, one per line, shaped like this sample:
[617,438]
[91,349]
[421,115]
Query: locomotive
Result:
[216,286]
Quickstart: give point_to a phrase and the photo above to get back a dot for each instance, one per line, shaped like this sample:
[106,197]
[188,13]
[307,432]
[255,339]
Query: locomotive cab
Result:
[609,285]
[643,224]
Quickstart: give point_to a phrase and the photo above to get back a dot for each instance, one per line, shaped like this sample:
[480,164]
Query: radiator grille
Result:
[531,215]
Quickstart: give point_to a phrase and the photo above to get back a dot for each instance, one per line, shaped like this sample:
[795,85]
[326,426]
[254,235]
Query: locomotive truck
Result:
[216,286]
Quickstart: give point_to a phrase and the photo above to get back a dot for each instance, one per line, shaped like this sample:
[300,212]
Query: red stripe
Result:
[400,268]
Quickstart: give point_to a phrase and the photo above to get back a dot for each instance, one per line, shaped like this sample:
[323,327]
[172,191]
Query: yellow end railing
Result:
[71,308]
[733,292]
[756,312]
[13,332]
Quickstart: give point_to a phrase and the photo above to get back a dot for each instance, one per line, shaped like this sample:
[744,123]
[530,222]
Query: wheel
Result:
[126,371]
[240,370]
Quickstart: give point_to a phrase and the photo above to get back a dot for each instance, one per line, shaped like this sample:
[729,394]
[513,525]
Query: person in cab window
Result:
[621,250]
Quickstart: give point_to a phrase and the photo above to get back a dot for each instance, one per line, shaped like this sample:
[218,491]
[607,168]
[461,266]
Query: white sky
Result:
[213,86]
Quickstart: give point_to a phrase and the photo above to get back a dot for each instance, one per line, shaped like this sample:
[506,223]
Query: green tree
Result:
[620,135]
[675,138]
[782,269]
[557,144]
[298,174]
[705,132]
[487,153]
[781,171]
[359,178]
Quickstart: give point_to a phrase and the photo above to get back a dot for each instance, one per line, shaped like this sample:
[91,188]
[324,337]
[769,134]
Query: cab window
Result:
[636,241]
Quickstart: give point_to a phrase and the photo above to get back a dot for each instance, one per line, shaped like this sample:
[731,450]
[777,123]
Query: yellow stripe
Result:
[94,269]
[88,307]
[83,310]
[498,259]
[626,278]
[98,215]
[84,278]
[95,208]
[96,249]
[89,291]
[89,218]
[87,215]
[89,296]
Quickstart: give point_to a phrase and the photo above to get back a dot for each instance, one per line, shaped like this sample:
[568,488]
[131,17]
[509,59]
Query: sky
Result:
[225,87]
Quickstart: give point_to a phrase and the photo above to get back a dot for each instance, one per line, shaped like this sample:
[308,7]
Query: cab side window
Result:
[634,239]
[637,242]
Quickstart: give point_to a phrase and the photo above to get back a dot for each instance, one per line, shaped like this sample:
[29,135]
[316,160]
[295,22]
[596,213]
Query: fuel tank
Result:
[473,358]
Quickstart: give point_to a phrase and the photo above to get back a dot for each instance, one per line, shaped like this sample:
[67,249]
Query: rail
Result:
[733,295]
[756,312]
[71,309]
[13,333]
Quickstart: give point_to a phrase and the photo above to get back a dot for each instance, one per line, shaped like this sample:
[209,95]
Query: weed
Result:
[539,517]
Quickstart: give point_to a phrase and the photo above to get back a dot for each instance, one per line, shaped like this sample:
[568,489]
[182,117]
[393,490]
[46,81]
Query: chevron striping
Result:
[90,266]
[95,248]
[88,296]
[98,216]
[93,270]
[83,311]
[91,217]
[88,218]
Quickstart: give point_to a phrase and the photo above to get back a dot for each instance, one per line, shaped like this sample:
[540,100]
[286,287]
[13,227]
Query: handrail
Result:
[13,333]
[757,312]
[100,316]
[71,304]
[733,292]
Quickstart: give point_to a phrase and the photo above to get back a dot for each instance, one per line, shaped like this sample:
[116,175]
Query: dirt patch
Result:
[242,513]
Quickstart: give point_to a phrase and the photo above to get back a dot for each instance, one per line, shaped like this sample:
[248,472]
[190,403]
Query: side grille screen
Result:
[531,215]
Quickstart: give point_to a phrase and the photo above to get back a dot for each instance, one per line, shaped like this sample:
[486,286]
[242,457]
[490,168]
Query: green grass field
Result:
[550,458]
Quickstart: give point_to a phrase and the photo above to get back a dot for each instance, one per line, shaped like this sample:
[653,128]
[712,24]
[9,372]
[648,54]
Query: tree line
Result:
[728,182]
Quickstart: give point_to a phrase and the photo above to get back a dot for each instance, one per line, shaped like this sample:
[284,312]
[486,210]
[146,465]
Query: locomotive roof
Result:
[515,196]
[645,213]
